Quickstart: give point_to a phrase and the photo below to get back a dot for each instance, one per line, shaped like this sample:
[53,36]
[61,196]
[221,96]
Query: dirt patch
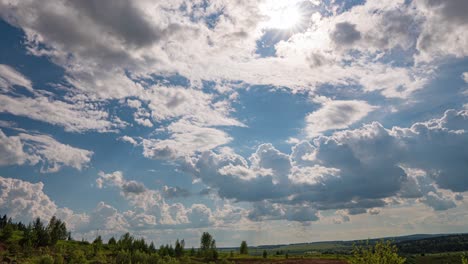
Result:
[289,261]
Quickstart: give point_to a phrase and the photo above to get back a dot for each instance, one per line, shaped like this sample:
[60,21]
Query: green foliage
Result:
[464,259]
[46,259]
[447,243]
[56,230]
[7,232]
[123,257]
[205,241]
[192,252]
[58,259]
[265,254]
[244,250]
[179,248]
[382,252]
[112,241]
[208,247]
[77,257]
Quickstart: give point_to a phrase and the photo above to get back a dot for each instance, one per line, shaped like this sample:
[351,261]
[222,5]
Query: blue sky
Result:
[266,121]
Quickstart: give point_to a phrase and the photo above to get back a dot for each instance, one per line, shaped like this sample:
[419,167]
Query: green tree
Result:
[244,250]
[208,247]
[205,241]
[7,232]
[265,254]
[152,248]
[179,248]
[112,241]
[382,252]
[57,230]
[98,240]
[41,237]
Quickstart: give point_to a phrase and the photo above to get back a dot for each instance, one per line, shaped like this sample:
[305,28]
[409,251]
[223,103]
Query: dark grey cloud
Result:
[345,34]
[453,10]
[438,203]
[272,211]
[133,187]
[122,18]
[356,211]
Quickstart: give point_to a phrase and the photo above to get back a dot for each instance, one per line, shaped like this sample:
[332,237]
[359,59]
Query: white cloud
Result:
[34,148]
[185,139]
[24,201]
[54,154]
[336,114]
[200,108]
[11,150]
[445,29]
[10,77]
[73,117]
[223,51]
[129,139]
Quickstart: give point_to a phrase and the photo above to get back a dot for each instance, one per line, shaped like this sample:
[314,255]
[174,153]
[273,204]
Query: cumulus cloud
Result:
[34,148]
[355,169]
[150,209]
[24,201]
[336,114]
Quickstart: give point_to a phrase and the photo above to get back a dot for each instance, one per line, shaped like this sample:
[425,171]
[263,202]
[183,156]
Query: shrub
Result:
[77,257]
[464,259]
[46,259]
[382,252]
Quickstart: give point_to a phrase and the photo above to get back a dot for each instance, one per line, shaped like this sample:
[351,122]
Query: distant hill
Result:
[410,244]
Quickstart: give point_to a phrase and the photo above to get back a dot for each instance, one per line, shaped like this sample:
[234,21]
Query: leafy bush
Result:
[77,257]
[464,259]
[382,252]
[46,259]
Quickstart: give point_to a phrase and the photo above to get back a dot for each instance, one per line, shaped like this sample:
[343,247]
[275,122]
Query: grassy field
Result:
[438,258]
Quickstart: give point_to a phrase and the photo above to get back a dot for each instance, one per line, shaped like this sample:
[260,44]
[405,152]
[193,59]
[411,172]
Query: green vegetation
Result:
[382,252]
[447,243]
[52,244]
[243,250]
[45,243]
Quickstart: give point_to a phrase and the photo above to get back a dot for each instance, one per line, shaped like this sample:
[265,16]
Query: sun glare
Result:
[283,16]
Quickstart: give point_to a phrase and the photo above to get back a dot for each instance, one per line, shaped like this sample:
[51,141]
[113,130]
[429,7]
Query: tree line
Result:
[52,243]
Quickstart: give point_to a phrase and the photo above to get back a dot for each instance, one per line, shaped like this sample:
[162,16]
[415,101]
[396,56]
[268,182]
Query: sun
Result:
[282,15]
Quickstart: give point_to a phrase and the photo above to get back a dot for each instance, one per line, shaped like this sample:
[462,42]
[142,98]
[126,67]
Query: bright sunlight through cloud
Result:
[282,14]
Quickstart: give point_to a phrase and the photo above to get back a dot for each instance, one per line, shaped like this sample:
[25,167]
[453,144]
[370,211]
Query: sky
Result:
[267,121]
